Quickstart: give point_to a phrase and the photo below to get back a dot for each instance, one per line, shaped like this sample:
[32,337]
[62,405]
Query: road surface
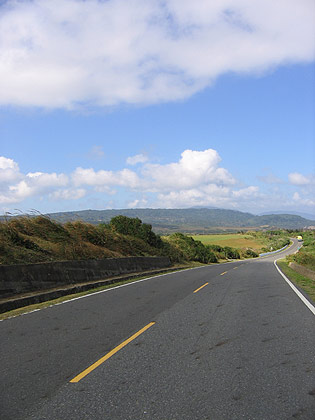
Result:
[230,341]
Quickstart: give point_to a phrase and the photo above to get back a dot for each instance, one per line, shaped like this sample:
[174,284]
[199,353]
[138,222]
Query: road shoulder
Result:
[302,286]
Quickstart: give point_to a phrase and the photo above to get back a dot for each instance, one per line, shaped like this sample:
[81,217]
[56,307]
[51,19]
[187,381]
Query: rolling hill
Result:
[199,220]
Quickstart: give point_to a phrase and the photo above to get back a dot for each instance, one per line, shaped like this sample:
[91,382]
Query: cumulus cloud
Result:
[9,170]
[296,178]
[197,178]
[123,178]
[195,168]
[70,53]
[44,180]
[67,194]
[210,195]
[16,187]
[133,160]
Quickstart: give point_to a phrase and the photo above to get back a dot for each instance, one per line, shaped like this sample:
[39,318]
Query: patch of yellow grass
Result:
[236,240]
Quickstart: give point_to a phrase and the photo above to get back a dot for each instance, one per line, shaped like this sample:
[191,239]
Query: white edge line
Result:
[103,291]
[303,298]
[122,285]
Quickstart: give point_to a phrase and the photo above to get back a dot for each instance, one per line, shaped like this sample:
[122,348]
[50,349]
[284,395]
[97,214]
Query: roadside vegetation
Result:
[306,255]
[308,285]
[26,240]
[234,240]
[29,239]
[272,240]
[244,245]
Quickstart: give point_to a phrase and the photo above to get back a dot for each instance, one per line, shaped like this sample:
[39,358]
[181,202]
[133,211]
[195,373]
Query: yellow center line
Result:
[223,273]
[235,268]
[197,290]
[110,354]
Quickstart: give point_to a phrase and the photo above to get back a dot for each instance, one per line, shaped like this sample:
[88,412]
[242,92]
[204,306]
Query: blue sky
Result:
[160,104]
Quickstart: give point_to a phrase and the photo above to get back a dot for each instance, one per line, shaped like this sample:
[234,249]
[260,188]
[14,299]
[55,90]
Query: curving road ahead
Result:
[230,341]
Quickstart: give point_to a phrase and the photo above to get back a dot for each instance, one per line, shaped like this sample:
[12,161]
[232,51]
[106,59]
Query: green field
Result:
[235,240]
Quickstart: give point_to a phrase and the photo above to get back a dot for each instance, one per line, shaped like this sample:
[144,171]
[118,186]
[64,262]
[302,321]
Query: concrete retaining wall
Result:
[16,279]
[302,270]
[273,252]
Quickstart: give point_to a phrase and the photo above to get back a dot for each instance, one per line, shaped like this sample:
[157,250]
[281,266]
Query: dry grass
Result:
[26,240]
[235,240]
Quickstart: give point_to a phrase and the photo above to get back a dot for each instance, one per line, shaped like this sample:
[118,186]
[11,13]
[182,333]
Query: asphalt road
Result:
[241,347]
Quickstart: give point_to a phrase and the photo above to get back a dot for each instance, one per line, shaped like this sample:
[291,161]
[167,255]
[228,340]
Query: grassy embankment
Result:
[27,240]
[306,255]
[308,285]
[306,258]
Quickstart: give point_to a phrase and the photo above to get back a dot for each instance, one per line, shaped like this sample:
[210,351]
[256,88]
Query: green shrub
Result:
[191,249]
[133,226]
[250,253]
[306,255]
[231,253]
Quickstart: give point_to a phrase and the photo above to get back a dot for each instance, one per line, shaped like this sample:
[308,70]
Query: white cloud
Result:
[105,189]
[67,194]
[196,179]
[123,178]
[195,168]
[16,187]
[44,180]
[296,178]
[9,170]
[196,176]
[303,201]
[137,203]
[66,53]
[209,195]
[246,192]
[6,163]
[133,160]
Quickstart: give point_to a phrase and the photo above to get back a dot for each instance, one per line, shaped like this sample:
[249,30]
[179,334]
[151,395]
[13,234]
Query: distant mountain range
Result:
[202,220]
[296,213]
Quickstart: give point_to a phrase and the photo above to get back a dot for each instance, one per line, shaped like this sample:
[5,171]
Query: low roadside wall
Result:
[302,270]
[273,252]
[17,279]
